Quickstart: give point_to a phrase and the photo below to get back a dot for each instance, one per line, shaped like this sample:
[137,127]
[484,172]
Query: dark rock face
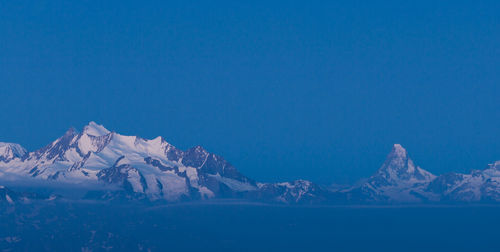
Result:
[99,141]
[151,169]
[159,165]
[217,165]
[174,154]
[444,182]
[156,170]
[195,157]
[10,151]
[59,147]
[220,189]
[115,174]
[69,140]
[119,174]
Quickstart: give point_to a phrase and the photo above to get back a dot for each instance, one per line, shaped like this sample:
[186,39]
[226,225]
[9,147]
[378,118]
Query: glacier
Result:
[154,170]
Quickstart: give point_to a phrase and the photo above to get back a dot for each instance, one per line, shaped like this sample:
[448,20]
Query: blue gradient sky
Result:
[312,90]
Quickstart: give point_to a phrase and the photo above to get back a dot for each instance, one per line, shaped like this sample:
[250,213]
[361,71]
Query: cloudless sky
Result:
[283,90]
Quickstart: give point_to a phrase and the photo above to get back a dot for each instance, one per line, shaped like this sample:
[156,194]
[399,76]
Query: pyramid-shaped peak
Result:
[398,150]
[95,129]
[399,167]
[11,150]
[398,158]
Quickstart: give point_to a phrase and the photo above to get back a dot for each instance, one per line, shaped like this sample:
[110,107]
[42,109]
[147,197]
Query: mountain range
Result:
[111,166]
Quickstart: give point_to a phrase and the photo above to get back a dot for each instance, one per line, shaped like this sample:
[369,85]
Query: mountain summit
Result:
[134,168]
[399,169]
[95,129]
[398,179]
[9,151]
[149,168]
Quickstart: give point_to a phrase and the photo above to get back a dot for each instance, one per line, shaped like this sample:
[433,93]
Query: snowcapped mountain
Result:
[9,151]
[131,167]
[153,168]
[398,180]
[477,186]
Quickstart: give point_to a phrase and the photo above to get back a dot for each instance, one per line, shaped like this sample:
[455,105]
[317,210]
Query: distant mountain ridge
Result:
[155,170]
[9,151]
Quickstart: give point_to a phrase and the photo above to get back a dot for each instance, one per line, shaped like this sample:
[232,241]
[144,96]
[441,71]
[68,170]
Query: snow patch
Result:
[95,129]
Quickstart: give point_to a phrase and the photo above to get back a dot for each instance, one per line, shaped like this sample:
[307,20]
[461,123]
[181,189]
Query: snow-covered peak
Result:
[398,179]
[398,160]
[9,151]
[398,150]
[95,129]
[398,167]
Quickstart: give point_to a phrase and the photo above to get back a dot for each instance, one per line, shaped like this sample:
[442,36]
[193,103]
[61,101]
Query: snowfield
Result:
[154,169]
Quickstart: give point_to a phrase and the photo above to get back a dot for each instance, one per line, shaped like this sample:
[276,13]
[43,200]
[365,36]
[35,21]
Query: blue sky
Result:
[283,90]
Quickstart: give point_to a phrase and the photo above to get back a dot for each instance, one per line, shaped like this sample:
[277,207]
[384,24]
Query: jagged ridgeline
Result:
[154,170]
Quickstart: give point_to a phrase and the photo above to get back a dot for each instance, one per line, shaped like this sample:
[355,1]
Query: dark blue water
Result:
[233,227]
